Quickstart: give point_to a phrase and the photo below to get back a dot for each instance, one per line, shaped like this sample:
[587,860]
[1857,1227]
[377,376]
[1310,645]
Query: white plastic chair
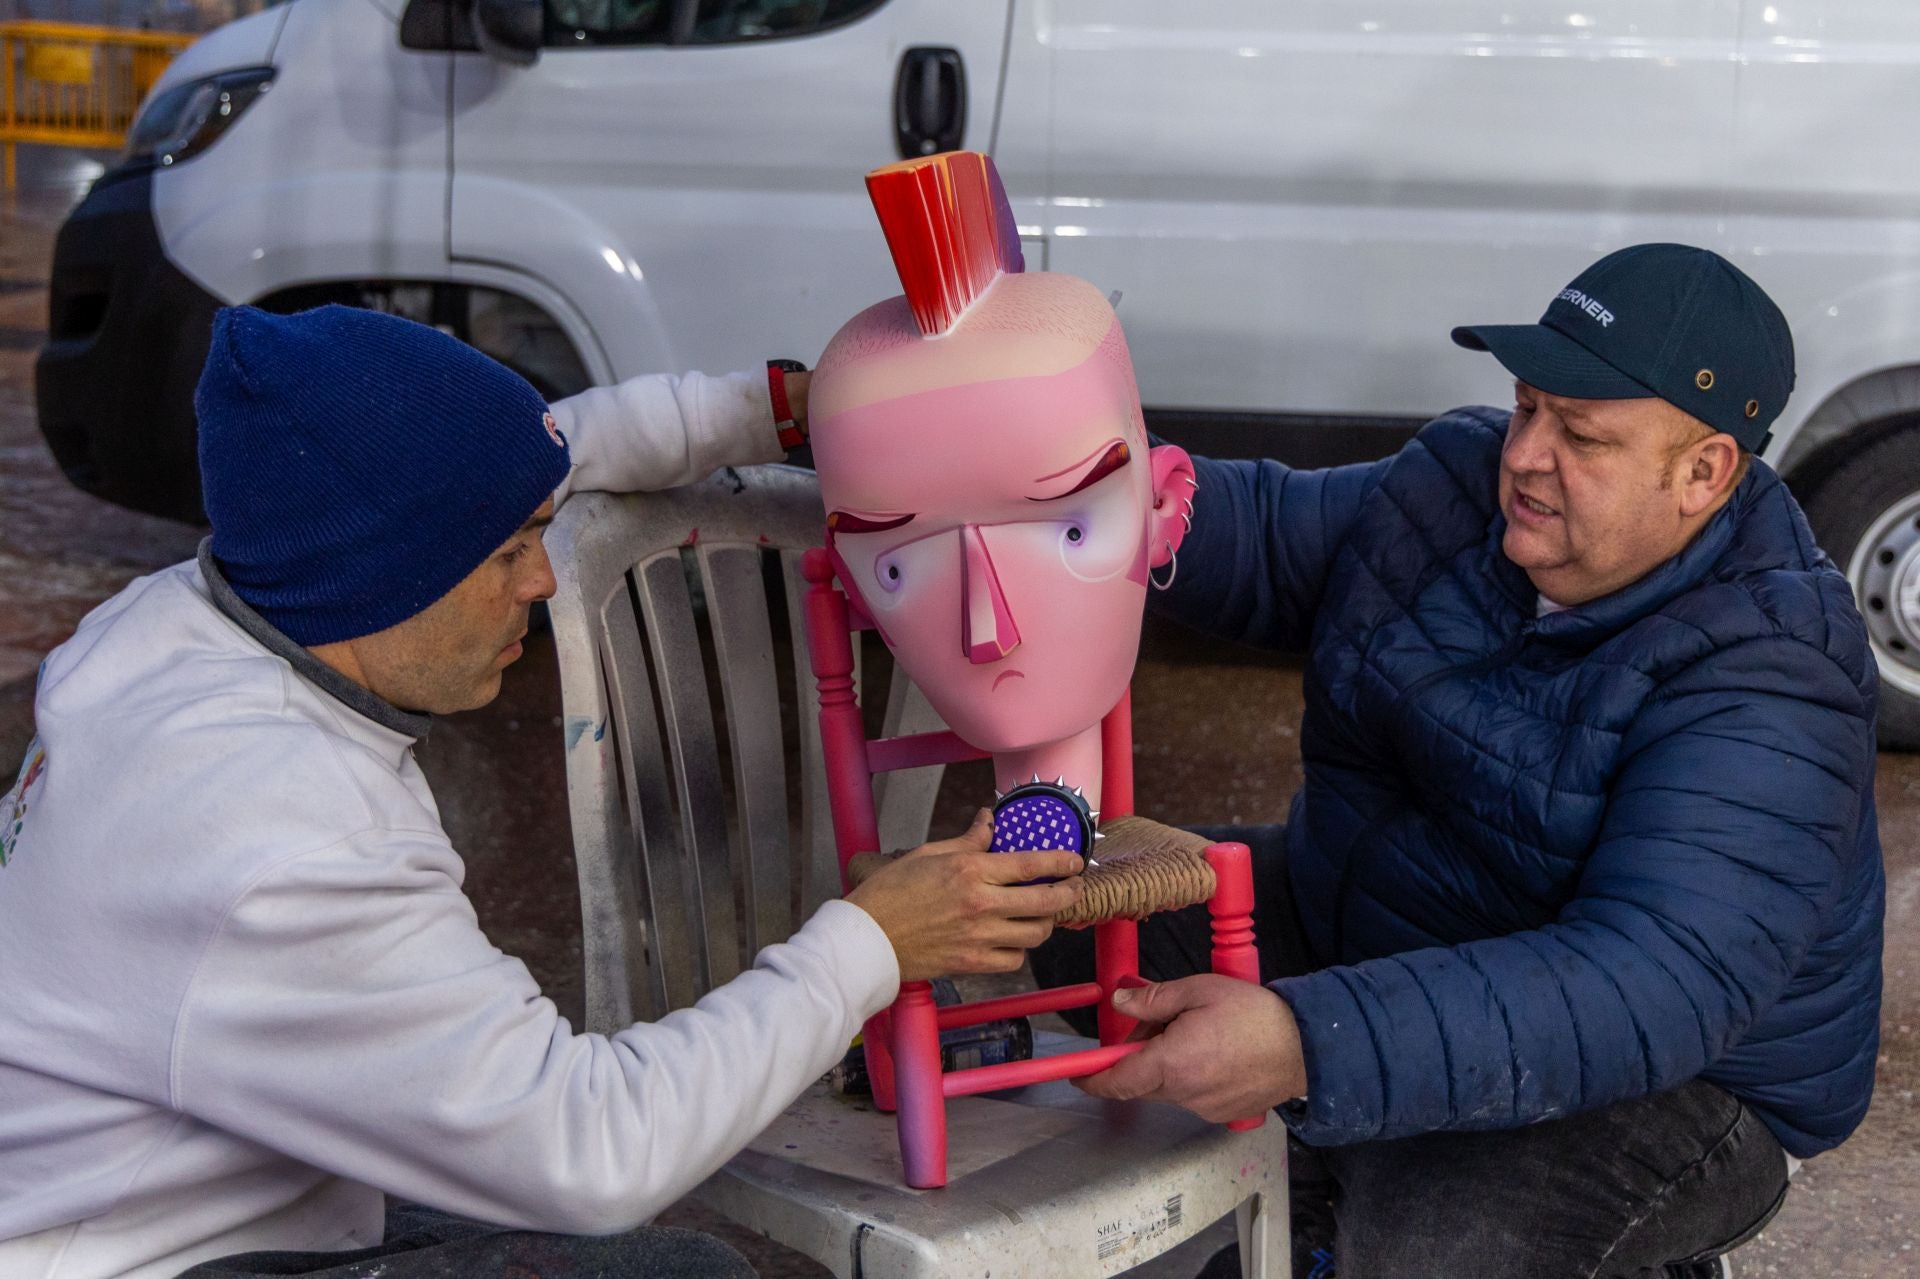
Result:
[690,859]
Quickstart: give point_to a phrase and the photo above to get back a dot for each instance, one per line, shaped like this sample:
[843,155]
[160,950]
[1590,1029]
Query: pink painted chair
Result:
[903,1043]
[701,830]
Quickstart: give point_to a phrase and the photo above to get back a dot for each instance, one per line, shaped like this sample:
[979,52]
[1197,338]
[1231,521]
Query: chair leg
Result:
[916,1076]
[1264,1247]
[1116,954]
[876,1039]
[1231,910]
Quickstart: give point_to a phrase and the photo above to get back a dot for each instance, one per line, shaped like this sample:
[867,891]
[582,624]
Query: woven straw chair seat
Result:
[1144,868]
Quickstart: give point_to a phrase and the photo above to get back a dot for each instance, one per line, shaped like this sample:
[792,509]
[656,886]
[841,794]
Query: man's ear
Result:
[1708,473]
[1173,489]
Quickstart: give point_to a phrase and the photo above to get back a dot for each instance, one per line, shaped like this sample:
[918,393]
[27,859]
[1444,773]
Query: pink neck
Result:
[1074,759]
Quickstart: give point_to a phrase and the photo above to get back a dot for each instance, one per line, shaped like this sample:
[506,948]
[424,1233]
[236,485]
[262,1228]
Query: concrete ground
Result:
[1217,732]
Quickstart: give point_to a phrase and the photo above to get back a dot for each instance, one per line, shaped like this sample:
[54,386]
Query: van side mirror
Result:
[510,30]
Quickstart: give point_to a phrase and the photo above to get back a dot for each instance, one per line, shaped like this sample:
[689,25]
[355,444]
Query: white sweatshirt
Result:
[244,995]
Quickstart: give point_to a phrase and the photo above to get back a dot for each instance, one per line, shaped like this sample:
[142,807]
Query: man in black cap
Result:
[1574,931]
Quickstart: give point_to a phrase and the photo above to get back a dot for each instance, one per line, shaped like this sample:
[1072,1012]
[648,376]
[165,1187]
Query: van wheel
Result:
[1866,515]
[507,327]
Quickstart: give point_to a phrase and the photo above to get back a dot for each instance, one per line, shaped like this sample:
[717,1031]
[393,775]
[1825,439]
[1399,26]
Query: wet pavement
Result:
[1216,742]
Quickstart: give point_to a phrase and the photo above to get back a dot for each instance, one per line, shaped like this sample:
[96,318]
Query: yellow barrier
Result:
[67,85]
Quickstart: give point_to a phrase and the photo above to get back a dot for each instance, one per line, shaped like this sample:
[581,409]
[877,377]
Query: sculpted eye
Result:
[891,577]
[1098,536]
[1077,544]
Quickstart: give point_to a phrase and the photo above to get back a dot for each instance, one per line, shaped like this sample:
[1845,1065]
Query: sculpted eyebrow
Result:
[1112,460]
[845,522]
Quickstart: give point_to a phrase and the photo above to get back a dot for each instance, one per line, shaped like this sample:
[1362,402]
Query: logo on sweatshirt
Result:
[13,804]
[553,429]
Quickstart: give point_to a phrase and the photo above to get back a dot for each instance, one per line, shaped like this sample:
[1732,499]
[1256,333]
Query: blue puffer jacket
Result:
[1554,863]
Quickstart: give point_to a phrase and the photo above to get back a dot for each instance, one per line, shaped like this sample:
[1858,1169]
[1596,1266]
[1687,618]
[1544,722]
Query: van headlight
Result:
[188,118]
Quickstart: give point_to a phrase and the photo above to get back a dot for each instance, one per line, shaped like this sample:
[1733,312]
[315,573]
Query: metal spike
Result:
[1078,793]
[1035,781]
[998,796]
[1060,780]
[1097,837]
[1095,814]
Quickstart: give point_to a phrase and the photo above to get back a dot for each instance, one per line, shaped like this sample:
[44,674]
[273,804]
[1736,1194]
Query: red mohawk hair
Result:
[947,220]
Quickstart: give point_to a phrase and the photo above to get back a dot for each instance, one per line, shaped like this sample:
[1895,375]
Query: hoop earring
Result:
[1173,569]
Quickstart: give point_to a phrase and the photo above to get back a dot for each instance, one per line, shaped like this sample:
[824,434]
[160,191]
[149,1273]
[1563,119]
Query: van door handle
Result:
[929,102]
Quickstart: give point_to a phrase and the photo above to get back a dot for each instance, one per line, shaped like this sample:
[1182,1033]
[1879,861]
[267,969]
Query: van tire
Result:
[1865,513]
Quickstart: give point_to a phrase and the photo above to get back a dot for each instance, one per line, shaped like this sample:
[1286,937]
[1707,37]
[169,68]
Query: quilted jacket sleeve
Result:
[1264,535]
[1728,834]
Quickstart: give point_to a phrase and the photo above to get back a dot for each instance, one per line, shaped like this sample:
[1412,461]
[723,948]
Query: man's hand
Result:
[1223,1048]
[953,907]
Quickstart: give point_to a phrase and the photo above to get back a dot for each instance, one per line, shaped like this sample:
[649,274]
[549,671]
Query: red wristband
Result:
[791,436]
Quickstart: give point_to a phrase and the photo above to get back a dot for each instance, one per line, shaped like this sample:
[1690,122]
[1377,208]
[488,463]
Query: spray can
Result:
[990,1043]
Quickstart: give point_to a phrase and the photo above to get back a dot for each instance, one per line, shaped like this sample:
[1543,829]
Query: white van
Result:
[1297,199]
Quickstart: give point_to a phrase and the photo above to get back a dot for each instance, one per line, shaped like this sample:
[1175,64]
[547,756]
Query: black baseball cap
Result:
[1665,320]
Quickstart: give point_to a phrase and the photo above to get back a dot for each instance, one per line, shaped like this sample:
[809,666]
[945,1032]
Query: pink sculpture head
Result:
[992,502]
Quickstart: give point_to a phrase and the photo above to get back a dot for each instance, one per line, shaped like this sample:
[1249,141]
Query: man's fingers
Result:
[1129,1079]
[1032,901]
[1050,899]
[1018,868]
[1008,959]
[1023,934]
[1156,1001]
[986,959]
[980,834]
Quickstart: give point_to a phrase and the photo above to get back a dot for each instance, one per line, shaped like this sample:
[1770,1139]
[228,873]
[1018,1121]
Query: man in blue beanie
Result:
[247,999]
[1574,931]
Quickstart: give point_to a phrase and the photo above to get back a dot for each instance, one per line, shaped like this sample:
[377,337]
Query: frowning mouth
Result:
[1003,677]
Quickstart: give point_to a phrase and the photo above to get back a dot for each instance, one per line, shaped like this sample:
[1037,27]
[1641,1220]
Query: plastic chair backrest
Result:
[690,853]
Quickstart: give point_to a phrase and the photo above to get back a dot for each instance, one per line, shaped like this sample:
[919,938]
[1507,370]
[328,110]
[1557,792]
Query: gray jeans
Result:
[1627,1190]
[424,1243]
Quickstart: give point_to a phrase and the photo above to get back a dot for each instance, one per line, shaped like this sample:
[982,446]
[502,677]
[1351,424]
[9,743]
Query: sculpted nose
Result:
[987,632]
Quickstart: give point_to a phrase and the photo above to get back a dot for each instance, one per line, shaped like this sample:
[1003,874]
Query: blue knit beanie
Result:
[356,466]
